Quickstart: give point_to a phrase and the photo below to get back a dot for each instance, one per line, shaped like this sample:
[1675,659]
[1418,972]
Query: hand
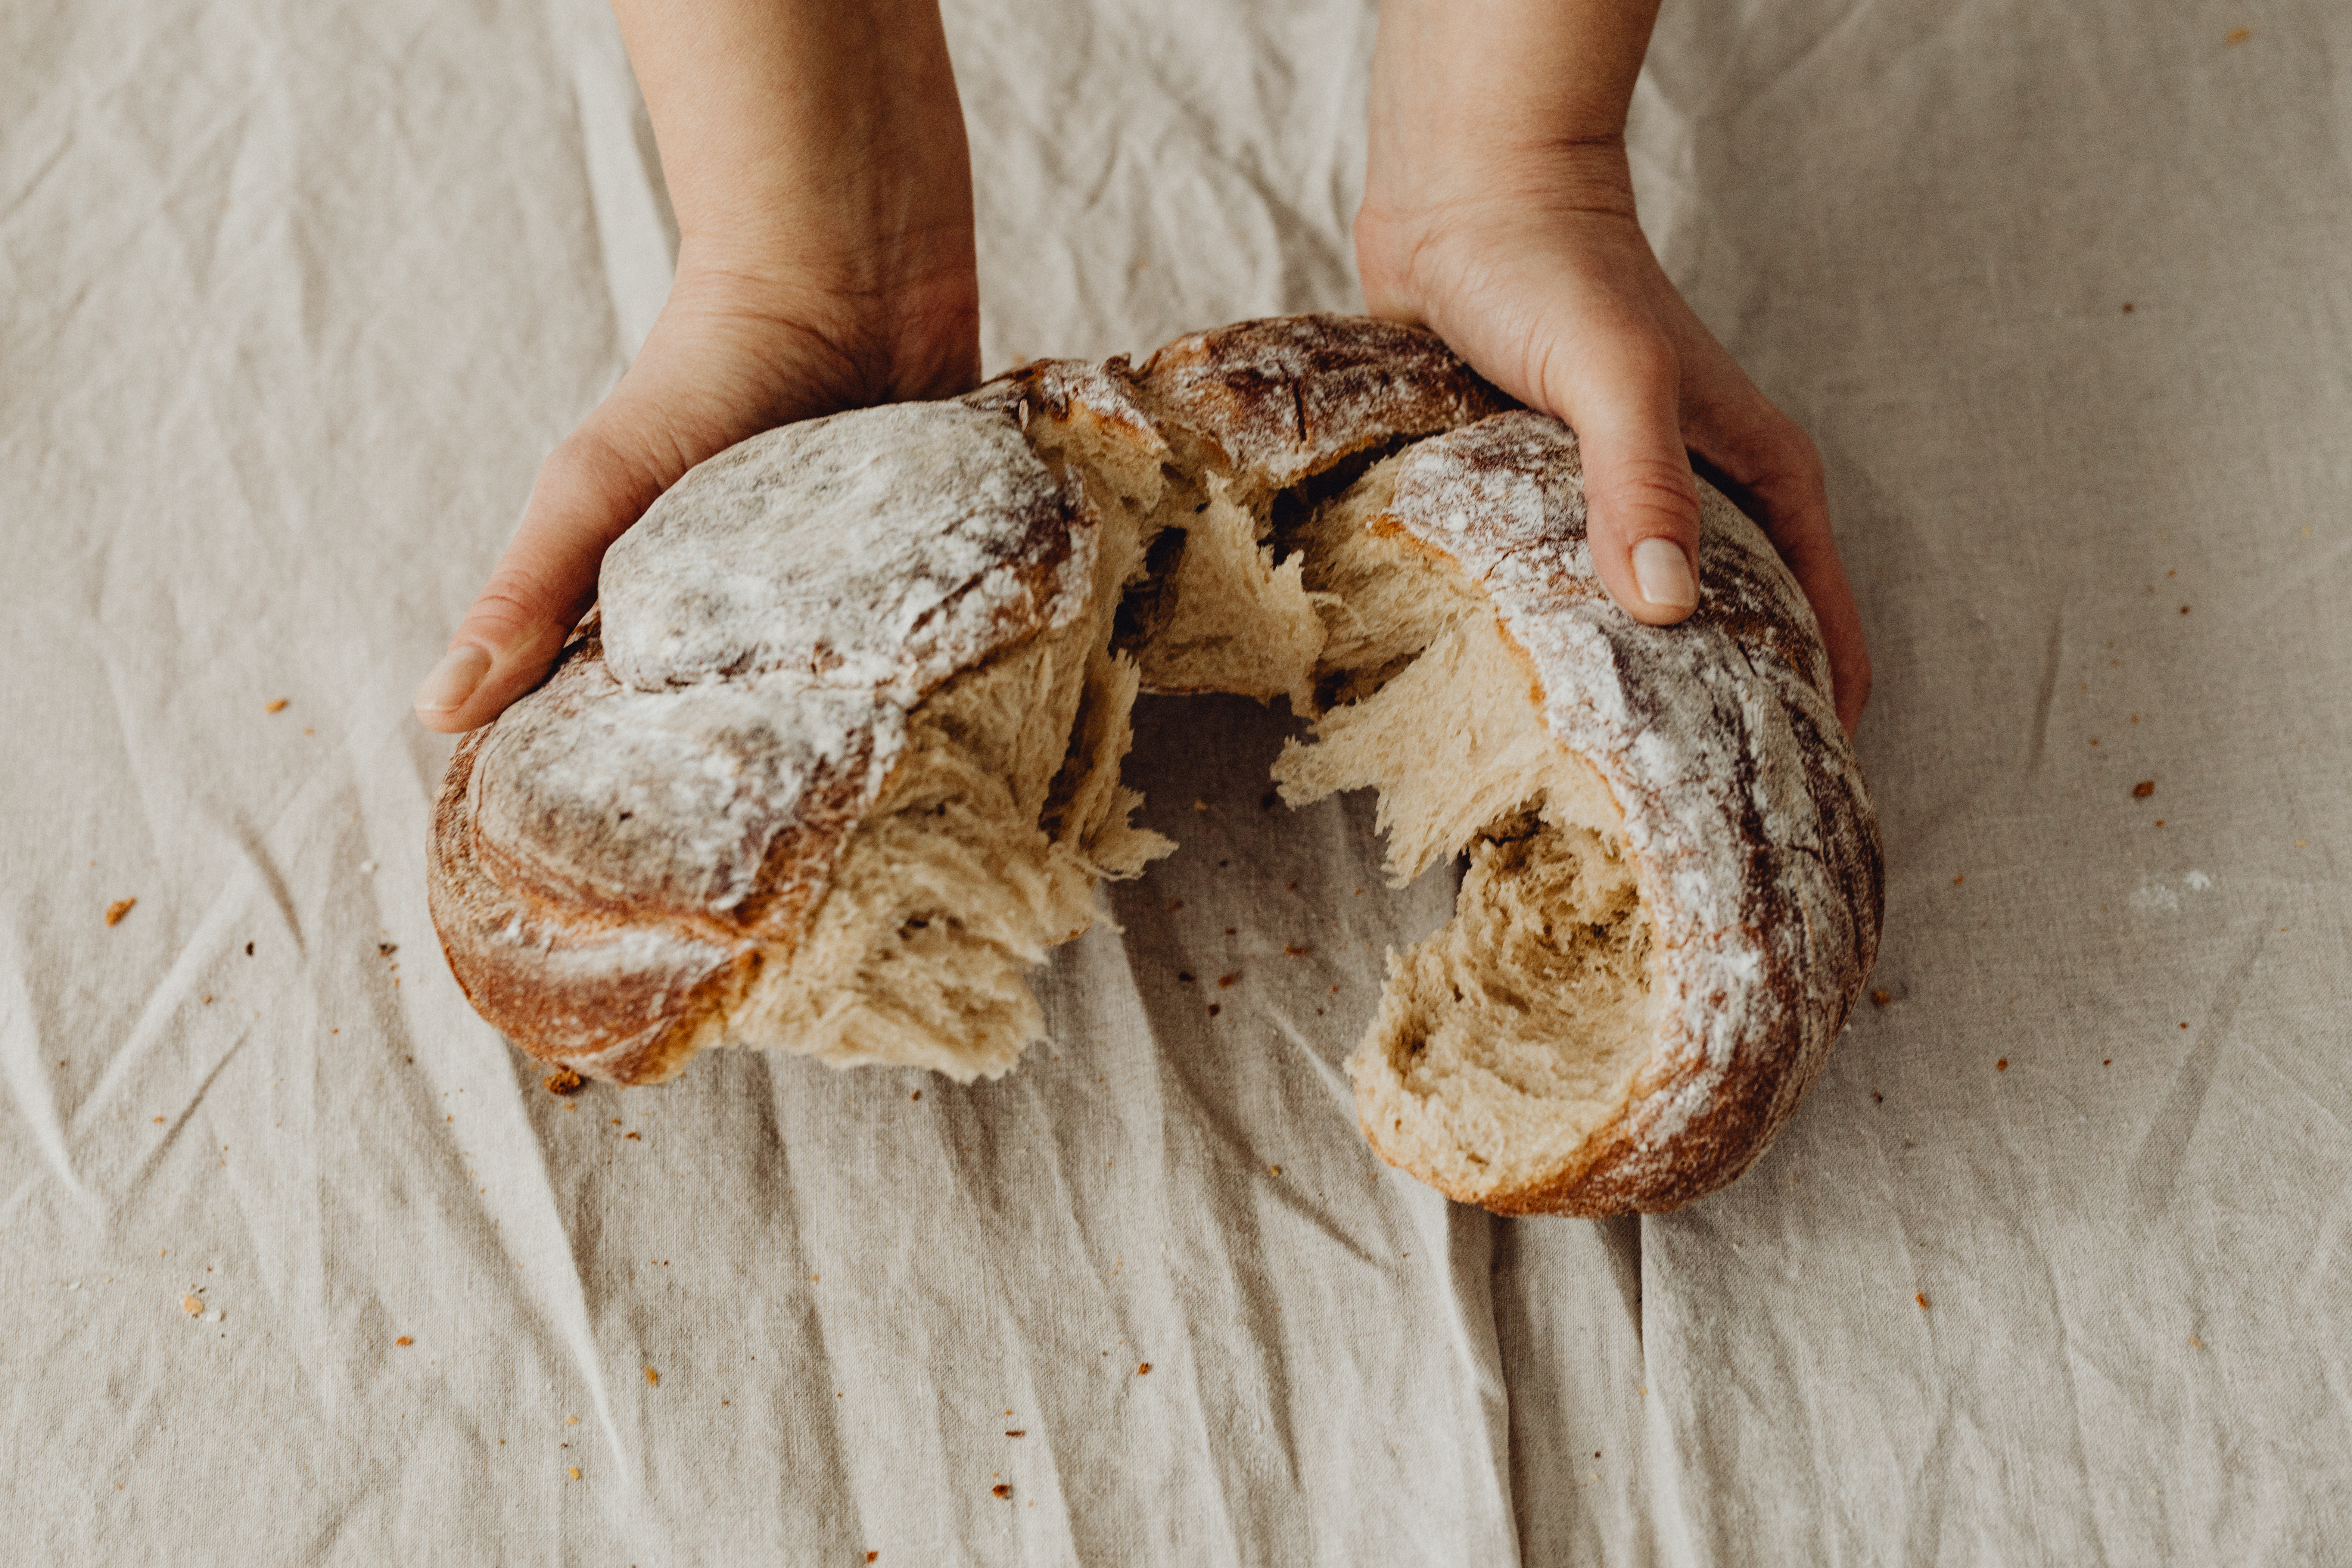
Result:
[1522,251]
[815,156]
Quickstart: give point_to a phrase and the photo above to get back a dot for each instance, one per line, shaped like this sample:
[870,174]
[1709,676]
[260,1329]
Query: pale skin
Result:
[815,156]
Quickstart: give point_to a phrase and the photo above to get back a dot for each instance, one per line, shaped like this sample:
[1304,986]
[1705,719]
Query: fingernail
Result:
[453,679]
[1662,573]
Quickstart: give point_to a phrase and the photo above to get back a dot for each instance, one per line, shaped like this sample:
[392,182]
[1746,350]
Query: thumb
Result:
[587,495]
[1641,498]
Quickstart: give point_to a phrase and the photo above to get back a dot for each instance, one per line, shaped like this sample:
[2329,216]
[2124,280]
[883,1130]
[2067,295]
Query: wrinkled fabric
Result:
[303,1264]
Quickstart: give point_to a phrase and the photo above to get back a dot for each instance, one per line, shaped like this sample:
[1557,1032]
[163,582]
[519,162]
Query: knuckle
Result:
[511,606]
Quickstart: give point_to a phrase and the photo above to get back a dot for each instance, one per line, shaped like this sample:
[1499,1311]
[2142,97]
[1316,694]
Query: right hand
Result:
[814,152]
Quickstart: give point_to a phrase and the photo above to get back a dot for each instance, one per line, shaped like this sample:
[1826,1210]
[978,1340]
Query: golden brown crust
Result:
[1279,399]
[596,992]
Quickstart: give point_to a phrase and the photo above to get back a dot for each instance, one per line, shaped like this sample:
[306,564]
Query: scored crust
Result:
[840,759]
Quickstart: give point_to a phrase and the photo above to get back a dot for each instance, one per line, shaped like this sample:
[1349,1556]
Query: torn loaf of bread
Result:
[840,760]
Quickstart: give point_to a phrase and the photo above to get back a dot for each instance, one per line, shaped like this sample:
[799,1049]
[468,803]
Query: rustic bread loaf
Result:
[840,760]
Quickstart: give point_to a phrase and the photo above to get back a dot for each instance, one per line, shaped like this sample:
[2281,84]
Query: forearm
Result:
[1499,98]
[807,143]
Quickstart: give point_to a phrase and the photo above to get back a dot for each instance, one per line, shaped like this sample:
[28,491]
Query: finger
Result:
[587,494]
[1641,497]
[1775,470]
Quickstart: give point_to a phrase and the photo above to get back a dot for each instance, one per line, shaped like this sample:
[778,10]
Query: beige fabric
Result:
[297,294]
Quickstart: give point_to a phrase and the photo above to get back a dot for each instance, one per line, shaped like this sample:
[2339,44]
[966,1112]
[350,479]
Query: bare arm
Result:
[814,152]
[1499,210]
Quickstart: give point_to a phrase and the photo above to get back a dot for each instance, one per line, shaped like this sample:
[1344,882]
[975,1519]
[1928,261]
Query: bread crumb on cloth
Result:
[1922,1299]
[2143,789]
[403,1340]
[117,909]
[275,705]
[1000,1490]
[190,1306]
[1880,998]
[564,1080]
[653,1378]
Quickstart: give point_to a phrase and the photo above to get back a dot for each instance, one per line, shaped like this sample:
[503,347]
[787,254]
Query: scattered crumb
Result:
[117,909]
[249,950]
[403,1340]
[2143,789]
[1291,888]
[2184,1026]
[2001,1065]
[2127,307]
[1880,998]
[634,1137]
[1214,1008]
[275,705]
[653,1378]
[1001,1490]
[1184,976]
[2195,1343]
[190,1306]
[1224,982]
[1140,1370]
[159,1122]
[1017,1432]
[386,949]
[1175,904]
[1200,805]
[1922,1299]
[1231,929]
[872,1556]
[2108,1063]
[917,1095]
[1275,1169]
[1957,880]
[575,1472]
[206,999]
[572,1421]
[1877,1098]
[1292,949]
[564,1080]
[2184,609]
[2160,822]
[2237,35]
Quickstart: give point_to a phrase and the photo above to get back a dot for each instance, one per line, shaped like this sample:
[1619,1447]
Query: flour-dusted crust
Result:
[876,551]
[615,859]
[1744,811]
[802,647]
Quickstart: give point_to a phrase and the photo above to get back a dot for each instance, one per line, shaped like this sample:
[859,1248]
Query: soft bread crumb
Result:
[1507,1038]
[982,855]
[1502,1043]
